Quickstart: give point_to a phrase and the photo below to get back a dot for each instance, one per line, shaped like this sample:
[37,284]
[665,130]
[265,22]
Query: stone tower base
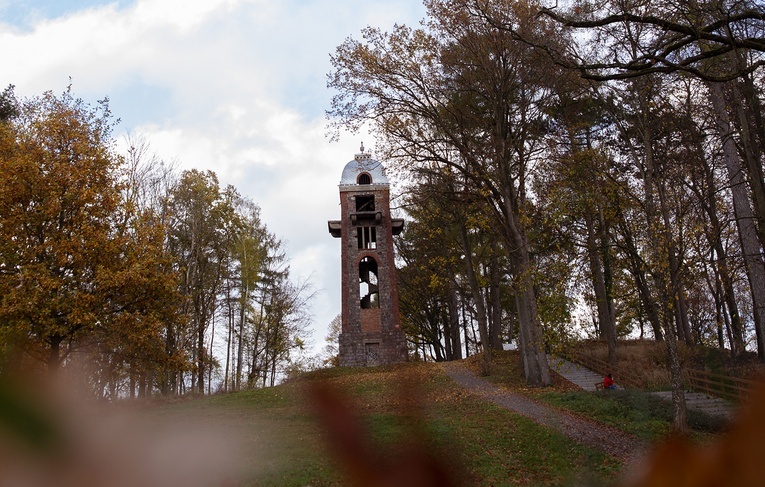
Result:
[371,349]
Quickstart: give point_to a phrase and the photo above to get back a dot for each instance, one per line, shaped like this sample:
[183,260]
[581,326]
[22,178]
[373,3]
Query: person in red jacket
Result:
[608,382]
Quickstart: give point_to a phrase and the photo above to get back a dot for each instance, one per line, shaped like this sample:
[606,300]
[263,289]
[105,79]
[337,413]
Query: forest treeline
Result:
[125,271]
[563,157]
[568,167]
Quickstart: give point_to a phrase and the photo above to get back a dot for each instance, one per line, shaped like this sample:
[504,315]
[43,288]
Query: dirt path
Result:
[585,431]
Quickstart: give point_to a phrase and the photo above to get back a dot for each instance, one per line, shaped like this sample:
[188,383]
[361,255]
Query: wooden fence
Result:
[718,385]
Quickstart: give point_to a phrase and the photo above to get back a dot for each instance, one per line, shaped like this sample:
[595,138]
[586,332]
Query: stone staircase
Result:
[702,402]
[586,379]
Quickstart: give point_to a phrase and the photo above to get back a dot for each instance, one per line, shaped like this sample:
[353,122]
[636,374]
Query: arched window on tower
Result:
[364,178]
[368,290]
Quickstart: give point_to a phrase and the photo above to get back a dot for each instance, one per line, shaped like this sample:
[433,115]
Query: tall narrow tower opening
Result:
[371,331]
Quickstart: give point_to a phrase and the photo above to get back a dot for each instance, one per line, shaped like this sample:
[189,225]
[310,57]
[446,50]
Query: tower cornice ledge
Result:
[335,228]
[363,187]
[397,225]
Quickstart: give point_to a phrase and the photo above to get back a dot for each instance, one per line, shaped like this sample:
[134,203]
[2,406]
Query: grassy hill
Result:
[414,411]
[409,407]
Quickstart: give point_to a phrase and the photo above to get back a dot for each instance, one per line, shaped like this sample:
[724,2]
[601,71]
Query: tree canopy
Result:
[114,266]
[589,169]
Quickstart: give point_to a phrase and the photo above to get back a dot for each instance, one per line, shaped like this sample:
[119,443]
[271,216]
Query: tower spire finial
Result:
[362,147]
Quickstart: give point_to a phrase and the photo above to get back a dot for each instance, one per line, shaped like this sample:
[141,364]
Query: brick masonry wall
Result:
[369,336]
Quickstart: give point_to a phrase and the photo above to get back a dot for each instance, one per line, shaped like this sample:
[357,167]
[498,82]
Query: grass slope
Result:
[632,411]
[282,444]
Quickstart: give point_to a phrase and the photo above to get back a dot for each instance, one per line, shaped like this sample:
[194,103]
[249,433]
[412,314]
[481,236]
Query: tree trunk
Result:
[465,329]
[435,338]
[605,255]
[495,324]
[149,383]
[240,349]
[751,152]
[454,321]
[750,244]
[131,379]
[680,419]
[661,239]
[675,271]
[229,336]
[444,333]
[535,366]
[480,307]
[722,273]
[638,272]
[54,356]
[605,315]
[201,360]
[210,355]
[169,382]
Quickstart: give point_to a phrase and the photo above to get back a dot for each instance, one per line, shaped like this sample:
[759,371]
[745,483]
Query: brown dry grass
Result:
[506,373]
[644,359]
[648,360]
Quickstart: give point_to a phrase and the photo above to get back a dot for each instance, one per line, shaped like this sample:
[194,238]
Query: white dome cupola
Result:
[363,170]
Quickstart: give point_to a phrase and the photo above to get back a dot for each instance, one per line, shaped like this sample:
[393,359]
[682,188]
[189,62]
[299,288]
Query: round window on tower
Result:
[364,178]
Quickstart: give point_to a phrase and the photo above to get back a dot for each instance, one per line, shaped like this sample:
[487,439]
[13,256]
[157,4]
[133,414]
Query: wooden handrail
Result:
[731,388]
[718,385]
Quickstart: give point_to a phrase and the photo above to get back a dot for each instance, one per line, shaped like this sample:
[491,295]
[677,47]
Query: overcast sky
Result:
[235,86]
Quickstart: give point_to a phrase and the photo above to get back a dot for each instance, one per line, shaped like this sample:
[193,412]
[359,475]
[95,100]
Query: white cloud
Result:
[181,14]
[236,86]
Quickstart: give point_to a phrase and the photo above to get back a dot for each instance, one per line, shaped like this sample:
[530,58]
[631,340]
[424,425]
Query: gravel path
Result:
[582,430]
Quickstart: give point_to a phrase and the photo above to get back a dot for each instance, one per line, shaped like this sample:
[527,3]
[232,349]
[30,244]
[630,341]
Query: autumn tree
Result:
[578,200]
[255,252]
[463,95]
[331,350]
[117,267]
[248,242]
[197,208]
[8,104]
[673,37]
[718,42]
[285,325]
[78,272]
[231,270]
[434,288]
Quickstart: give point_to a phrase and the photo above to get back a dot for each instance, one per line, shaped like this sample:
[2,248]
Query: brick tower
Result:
[371,331]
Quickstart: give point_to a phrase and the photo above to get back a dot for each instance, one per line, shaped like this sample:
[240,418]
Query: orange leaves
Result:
[66,267]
